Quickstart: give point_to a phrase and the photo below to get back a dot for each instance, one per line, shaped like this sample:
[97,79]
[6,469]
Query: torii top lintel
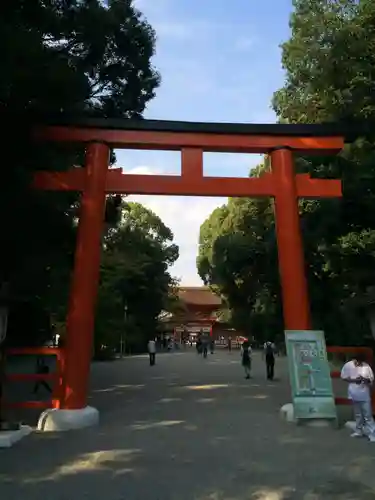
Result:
[192,139]
[219,137]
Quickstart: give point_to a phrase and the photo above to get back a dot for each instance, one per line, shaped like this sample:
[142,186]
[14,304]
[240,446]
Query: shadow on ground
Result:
[186,430]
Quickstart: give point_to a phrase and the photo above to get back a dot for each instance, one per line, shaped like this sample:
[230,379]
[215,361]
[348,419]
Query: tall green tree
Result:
[73,57]
[135,282]
[237,258]
[329,64]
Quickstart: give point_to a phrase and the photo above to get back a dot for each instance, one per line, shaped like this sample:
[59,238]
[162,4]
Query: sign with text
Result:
[310,376]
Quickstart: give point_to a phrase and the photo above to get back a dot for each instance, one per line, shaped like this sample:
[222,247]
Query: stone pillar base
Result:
[55,420]
[287,414]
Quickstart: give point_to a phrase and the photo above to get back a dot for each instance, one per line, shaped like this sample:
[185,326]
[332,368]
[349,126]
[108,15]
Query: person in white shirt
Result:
[152,351]
[360,377]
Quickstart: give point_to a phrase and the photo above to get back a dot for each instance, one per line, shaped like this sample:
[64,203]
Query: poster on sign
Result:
[310,375]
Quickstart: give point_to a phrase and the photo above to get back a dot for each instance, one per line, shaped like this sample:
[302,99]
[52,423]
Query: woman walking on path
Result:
[246,358]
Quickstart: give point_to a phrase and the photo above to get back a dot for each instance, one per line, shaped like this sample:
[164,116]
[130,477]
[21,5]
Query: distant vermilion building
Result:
[200,309]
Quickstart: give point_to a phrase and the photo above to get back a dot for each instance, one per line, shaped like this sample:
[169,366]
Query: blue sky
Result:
[219,61]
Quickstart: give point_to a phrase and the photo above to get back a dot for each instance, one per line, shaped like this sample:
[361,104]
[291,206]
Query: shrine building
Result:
[199,310]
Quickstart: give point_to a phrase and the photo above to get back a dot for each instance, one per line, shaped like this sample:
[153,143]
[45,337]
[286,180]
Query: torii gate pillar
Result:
[83,292]
[74,412]
[296,307]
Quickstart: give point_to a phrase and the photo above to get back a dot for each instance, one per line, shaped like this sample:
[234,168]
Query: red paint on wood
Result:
[289,243]
[317,188]
[175,141]
[80,320]
[191,163]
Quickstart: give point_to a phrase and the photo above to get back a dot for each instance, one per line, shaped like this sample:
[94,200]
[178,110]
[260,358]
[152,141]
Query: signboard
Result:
[310,376]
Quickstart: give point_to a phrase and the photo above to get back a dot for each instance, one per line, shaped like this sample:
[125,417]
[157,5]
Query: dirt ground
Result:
[189,429]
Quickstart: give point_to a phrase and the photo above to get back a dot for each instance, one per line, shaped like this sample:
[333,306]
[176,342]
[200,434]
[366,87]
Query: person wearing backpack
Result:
[246,358]
[269,354]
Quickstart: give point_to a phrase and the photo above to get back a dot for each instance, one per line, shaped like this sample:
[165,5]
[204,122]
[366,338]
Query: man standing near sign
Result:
[360,377]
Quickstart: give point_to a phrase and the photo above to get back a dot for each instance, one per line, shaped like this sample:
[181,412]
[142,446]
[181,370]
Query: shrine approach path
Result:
[189,429]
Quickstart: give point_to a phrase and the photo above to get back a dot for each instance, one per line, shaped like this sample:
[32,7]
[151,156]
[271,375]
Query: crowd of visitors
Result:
[204,344]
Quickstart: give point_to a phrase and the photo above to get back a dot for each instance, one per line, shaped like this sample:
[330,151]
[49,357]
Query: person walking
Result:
[212,345]
[198,345]
[230,344]
[360,377]
[246,353]
[269,355]
[205,342]
[152,351]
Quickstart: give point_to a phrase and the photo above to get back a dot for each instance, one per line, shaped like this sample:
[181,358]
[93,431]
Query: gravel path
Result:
[189,429]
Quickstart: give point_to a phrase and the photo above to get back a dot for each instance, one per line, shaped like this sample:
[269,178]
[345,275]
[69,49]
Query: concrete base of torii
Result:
[287,413]
[56,420]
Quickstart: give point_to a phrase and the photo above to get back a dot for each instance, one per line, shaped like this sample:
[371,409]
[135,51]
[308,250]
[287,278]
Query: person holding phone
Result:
[360,377]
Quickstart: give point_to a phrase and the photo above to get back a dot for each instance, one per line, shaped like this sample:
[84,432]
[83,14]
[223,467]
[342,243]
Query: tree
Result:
[134,278]
[237,258]
[335,84]
[329,63]
[62,58]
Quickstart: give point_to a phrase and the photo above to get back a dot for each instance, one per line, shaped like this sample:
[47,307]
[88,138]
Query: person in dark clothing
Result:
[199,345]
[246,358]
[269,353]
[230,344]
[41,368]
[205,343]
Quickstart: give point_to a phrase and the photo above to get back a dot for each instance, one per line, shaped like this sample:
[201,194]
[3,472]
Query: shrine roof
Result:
[349,132]
[198,296]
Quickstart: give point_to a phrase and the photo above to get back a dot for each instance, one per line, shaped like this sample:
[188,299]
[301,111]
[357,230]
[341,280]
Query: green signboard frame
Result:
[310,375]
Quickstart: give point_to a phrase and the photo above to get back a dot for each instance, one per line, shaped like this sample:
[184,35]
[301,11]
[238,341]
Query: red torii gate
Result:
[192,139]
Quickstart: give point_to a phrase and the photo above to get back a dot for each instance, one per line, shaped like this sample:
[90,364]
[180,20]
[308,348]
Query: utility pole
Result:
[123,333]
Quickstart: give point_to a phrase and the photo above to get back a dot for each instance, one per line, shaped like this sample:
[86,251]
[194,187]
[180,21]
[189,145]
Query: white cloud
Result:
[184,216]
[200,55]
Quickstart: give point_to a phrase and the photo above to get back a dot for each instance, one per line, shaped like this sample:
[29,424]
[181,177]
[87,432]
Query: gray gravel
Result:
[189,429]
